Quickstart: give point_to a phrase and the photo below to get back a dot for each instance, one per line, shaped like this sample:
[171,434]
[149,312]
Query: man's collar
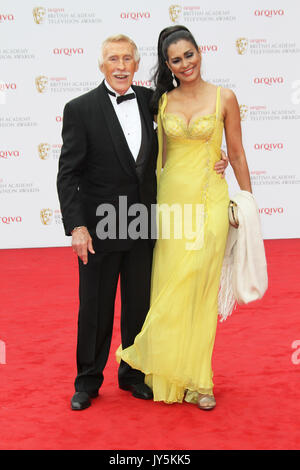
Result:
[130,90]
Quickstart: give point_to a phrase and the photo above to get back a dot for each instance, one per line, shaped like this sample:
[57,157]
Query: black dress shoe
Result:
[140,390]
[81,400]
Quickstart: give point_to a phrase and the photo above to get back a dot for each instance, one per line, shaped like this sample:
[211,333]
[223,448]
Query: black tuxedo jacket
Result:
[96,165]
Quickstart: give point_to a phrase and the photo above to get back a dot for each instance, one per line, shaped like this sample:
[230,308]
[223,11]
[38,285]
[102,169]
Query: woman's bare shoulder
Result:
[173,95]
[228,95]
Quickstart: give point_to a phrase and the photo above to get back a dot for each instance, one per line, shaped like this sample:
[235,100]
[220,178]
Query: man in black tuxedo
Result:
[109,150]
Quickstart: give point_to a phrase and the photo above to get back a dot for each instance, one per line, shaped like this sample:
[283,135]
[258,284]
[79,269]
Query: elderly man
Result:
[109,150]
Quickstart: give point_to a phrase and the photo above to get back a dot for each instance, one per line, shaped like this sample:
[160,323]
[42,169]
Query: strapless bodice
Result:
[199,127]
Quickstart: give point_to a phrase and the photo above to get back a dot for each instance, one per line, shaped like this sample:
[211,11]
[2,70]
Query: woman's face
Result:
[184,60]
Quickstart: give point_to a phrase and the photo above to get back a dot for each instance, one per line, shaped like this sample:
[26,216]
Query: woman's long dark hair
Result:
[162,77]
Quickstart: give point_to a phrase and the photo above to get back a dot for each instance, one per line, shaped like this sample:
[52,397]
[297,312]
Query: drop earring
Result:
[174,80]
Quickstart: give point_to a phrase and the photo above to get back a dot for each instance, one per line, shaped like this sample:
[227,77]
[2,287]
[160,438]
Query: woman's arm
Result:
[233,134]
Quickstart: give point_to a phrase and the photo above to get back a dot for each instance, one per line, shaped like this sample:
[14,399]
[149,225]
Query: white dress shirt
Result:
[130,120]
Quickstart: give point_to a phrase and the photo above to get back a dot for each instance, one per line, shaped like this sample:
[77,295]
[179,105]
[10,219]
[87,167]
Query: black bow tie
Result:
[121,98]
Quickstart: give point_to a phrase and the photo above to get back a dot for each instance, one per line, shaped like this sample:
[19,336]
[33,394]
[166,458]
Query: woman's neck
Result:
[191,88]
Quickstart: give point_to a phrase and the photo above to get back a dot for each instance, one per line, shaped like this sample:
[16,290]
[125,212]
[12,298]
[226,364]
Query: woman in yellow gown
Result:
[174,348]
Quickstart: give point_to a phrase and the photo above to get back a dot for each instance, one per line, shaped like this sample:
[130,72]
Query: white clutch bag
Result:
[244,275]
[233,214]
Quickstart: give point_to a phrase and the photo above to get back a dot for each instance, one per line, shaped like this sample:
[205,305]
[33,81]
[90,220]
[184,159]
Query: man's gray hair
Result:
[119,38]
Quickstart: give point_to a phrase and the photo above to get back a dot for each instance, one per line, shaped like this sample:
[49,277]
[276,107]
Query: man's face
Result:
[119,65]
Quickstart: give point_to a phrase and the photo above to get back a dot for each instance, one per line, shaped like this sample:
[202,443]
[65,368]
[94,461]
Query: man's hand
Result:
[221,165]
[82,243]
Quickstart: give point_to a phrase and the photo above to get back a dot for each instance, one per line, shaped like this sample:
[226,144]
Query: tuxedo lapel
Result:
[117,136]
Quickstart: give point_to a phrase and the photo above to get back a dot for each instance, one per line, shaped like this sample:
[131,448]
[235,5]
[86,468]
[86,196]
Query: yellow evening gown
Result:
[174,347]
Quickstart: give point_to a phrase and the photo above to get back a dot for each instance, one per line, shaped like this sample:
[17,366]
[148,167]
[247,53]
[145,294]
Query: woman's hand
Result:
[221,165]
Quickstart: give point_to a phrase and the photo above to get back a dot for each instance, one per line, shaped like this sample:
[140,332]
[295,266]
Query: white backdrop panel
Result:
[48,55]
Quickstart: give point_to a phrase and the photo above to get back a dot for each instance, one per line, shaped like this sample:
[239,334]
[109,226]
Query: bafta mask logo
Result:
[41,83]
[241,45]
[44,151]
[46,216]
[243,111]
[39,14]
[175,12]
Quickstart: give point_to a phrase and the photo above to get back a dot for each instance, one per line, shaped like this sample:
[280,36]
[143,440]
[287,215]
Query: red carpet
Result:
[256,369]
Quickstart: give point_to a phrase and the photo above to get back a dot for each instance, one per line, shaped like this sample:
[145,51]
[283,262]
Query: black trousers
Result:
[98,281]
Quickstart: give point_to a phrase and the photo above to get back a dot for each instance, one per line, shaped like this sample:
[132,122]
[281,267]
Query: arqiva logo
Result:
[271,210]
[146,83]
[269,147]
[269,13]
[7,86]
[9,153]
[10,219]
[132,15]
[268,80]
[6,17]
[68,51]
[209,48]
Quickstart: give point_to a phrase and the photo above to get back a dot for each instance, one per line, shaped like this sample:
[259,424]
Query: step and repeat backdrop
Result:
[49,54]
